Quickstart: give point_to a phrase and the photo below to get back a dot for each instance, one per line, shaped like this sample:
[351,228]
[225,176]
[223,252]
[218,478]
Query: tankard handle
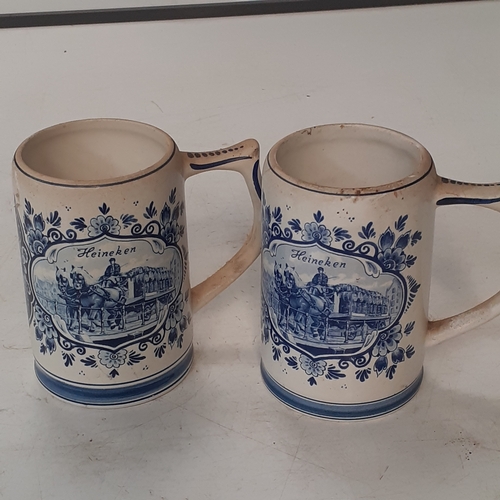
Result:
[243,158]
[451,192]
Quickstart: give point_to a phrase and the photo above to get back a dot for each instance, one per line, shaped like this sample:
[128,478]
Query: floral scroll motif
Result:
[112,319]
[322,329]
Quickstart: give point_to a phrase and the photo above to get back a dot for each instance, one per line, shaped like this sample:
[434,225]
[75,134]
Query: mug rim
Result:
[22,166]
[424,167]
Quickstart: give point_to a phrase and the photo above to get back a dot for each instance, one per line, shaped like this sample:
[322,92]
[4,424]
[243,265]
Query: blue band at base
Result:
[116,395]
[338,411]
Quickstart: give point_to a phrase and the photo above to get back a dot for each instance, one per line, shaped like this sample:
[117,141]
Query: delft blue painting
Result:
[107,289]
[112,295]
[333,300]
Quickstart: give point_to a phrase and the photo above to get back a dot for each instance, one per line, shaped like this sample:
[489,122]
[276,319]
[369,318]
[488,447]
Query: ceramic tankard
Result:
[102,228]
[348,221]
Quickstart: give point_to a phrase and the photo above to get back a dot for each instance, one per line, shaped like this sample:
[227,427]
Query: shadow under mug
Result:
[348,223]
[101,216]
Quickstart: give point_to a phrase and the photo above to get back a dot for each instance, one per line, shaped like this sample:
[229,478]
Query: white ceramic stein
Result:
[102,228]
[348,222]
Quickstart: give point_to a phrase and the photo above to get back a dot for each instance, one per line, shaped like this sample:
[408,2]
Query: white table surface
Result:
[432,72]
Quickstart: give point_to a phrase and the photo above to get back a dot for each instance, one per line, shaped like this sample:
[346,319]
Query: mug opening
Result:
[94,152]
[349,159]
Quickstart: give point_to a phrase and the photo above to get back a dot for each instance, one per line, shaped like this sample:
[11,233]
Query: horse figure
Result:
[93,299]
[306,304]
[283,295]
[69,295]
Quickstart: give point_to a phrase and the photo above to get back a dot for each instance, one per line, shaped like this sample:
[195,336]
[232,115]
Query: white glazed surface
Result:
[95,150]
[332,220]
[347,305]
[101,215]
[348,157]
[105,228]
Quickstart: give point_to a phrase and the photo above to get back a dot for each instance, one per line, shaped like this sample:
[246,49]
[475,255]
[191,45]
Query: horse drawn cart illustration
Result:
[116,305]
[342,317]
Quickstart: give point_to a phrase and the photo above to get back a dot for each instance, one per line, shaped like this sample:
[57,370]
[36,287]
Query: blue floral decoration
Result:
[316,368]
[38,233]
[389,251]
[174,314]
[112,359]
[391,255]
[45,331]
[316,232]
[103,225]
[388,341]
[37,242]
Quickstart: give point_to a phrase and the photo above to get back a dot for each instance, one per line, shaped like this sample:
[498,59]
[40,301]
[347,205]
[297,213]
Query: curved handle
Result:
[450,192]
[243,158]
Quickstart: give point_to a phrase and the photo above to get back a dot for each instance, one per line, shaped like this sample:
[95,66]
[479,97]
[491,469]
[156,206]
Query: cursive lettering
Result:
[93,253]
[302,256]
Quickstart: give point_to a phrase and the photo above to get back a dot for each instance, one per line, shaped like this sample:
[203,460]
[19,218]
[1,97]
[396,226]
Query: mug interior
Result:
[350,158]
[94,150]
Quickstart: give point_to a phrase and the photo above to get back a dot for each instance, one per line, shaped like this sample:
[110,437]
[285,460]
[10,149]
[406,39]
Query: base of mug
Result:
[116,395]
[341,411]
